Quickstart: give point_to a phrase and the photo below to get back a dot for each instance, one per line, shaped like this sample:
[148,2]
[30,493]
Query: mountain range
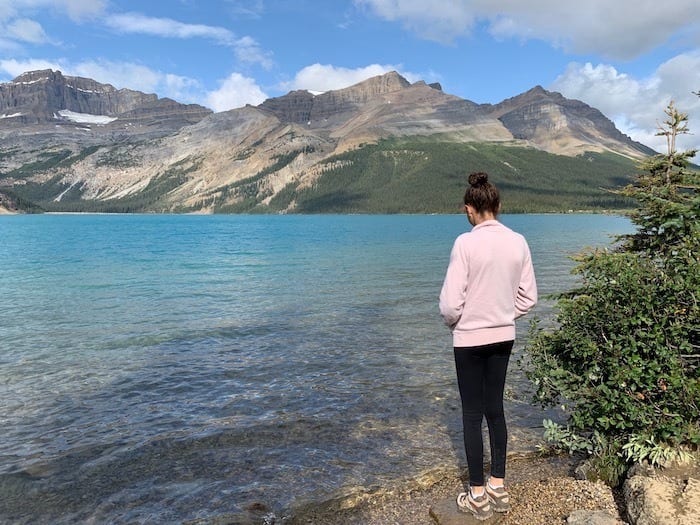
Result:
[73,144]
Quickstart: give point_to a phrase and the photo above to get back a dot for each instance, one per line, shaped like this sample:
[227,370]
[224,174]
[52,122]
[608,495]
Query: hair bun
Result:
[478,179]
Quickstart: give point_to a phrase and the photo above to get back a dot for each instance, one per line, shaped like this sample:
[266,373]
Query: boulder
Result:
[660,497]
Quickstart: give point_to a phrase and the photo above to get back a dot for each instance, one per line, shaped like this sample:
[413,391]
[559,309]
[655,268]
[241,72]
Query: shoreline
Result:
[544,491]
[624,212]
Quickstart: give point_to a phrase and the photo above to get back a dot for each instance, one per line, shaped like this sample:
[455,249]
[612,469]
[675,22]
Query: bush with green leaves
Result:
[624,353]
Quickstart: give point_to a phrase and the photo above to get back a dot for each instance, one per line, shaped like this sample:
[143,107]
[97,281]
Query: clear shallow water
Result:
[166,368]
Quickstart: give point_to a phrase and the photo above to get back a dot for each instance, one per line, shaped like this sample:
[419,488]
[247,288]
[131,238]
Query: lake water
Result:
[160,369]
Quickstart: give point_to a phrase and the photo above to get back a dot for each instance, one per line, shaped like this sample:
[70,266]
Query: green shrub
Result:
[625,352]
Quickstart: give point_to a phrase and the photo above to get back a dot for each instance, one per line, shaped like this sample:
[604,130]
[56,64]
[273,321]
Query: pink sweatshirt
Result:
[489,283]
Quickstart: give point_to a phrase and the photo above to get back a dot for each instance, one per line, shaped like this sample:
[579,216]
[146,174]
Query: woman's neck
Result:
[478,218]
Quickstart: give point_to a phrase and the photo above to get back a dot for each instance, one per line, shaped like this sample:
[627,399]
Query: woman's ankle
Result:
[496,483]
[477,491]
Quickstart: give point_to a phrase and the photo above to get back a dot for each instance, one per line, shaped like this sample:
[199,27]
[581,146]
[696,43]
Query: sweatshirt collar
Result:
[490,222]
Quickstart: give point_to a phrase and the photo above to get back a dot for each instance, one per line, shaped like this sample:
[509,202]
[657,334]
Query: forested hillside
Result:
[417,175]
[421,176]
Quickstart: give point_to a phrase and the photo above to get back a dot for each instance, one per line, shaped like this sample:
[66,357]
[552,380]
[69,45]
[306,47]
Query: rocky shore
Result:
[544,491]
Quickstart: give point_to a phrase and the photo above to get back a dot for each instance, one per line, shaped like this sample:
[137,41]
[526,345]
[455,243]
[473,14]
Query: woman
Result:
[490,282]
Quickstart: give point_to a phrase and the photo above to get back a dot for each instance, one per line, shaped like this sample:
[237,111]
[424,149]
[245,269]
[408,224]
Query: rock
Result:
[446,512]
[582,471]
[303,107]
[592,517]
[641,469]
[38,97]
[662,499]
[538,115]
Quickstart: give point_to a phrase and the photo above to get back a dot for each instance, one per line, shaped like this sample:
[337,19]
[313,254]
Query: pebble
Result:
[543,492]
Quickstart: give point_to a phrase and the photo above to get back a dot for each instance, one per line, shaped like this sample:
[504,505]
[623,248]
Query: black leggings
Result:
[481,375]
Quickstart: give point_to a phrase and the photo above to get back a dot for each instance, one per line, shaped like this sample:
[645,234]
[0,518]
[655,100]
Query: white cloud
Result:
[234,92]
[16,30]
[439,20]
[681,74]
[636,106]
[624,29]
[119,74]
[26,30]
[249,51]
[246,48]
[141,78]
[183,89]
[167,27]
[7,10]
[320,77]
[78,9]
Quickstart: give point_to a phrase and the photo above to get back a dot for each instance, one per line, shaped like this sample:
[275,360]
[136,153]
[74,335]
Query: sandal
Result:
[479,507]
[499,497]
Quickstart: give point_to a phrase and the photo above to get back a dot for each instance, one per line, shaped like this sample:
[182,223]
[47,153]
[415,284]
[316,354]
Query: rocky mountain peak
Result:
[43,75]
[56,80]
[537,91]
[303,107]
[46,96]
[378,85]
[536,95]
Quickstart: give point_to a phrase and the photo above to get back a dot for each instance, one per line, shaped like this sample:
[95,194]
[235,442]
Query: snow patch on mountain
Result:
[85,118]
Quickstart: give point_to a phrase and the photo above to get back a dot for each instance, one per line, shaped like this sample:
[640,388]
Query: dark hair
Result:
[481,194]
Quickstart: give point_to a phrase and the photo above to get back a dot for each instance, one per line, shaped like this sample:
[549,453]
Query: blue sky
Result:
[627,58]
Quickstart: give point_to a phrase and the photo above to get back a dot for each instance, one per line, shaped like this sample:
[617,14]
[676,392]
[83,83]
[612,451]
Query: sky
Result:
[627,58]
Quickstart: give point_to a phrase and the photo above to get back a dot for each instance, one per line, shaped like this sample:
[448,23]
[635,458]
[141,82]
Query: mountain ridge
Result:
[165,156]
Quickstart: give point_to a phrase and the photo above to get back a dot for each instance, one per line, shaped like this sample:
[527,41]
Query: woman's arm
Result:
[454,287]
[526,297]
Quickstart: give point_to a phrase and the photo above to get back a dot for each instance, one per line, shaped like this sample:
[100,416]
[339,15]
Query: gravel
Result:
[543,492]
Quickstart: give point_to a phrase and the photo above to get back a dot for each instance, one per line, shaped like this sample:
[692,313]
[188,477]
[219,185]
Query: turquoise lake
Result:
[165,368]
